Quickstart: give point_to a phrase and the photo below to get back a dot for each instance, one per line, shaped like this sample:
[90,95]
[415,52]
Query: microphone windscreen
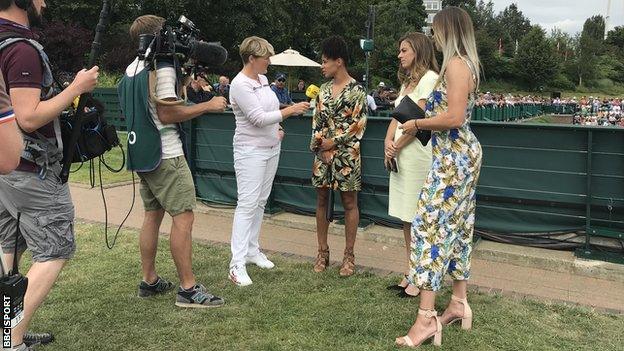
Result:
[207,54]
[312,91]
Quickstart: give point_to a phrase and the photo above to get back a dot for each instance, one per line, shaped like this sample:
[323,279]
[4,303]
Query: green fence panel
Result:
[108,96]
[535,177]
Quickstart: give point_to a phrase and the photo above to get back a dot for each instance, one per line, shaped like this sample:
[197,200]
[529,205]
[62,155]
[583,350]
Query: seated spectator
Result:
[279,88]
[301,85]
[199,91]
[372,106]
[223,87]
[377,94]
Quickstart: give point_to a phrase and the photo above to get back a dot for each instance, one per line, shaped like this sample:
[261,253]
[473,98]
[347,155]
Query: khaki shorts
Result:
[47,215]
[169,187]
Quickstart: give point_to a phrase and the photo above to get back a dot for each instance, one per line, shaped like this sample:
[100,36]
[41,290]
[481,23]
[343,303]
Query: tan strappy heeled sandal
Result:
[437,335]
[466,320]
[348,264]
[322,261]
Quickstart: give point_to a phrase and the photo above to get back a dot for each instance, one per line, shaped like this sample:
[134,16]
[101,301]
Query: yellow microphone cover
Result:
[312,91]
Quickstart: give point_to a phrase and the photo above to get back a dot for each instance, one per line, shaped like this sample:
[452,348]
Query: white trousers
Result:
[255,170]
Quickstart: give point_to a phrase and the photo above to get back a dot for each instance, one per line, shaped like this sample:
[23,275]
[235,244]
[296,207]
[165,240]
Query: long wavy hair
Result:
[424,58]
[453,32]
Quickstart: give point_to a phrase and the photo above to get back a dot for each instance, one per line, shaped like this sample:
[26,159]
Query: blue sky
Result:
[568,15]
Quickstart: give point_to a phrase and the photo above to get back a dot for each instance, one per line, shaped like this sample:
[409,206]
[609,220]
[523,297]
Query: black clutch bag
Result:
[407,111]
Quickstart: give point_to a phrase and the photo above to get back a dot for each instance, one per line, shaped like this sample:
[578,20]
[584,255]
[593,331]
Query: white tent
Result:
[292,58]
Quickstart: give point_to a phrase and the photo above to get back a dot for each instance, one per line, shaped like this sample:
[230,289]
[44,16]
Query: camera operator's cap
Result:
[382,85]
[281,76]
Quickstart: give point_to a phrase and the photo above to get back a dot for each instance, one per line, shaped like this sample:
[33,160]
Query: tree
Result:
[460,3]
[535,63]
[394,19]
[515,26]
[615,38]
[594,27]
[486,47]
[590,46]
[563,43]
[483,16]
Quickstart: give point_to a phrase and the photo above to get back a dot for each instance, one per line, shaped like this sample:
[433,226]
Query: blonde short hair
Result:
[255,46]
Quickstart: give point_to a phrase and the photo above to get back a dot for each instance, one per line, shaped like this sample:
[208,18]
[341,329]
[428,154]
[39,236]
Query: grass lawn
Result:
[94,307]
[113,158]
[550,119]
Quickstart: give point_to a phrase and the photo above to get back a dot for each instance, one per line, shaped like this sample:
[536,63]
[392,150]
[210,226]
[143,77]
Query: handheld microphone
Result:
[312,91]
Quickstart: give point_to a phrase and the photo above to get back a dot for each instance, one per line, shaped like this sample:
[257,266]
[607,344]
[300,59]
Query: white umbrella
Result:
[292,58]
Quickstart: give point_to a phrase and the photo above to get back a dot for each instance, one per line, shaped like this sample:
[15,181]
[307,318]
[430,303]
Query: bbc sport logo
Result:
[6,322]
[10,319]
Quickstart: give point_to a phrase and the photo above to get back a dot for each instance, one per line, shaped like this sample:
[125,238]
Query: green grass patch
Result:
[94,307]
[109,79]
[541,120]
[113,158]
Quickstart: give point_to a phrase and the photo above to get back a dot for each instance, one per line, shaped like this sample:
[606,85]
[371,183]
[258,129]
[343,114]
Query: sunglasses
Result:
[281,80]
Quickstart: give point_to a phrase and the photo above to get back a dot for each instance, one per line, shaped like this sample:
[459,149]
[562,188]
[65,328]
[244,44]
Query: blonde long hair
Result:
[454,34]
[424,58]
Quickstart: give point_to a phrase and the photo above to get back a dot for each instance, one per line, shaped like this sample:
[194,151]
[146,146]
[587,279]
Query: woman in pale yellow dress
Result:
[418,74]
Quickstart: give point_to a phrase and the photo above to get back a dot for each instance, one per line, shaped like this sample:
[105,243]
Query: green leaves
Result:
[535,62]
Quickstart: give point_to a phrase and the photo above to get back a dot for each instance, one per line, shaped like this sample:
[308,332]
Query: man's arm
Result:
[169,114]
[32,113]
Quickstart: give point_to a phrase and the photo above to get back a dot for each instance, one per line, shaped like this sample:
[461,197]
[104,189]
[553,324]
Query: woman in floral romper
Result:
[338,126]
[444,223]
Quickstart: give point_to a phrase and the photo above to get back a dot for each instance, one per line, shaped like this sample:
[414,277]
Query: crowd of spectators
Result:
[594,111]
[591,111]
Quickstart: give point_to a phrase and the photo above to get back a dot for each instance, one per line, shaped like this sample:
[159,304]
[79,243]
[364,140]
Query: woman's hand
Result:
[280,133]
[327,144]
[391,149]
[295,109]
[410,127]
[326,156]
[388,162]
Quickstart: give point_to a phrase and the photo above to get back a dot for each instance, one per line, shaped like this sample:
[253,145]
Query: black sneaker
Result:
[31,339]
[197,297]
[161,286]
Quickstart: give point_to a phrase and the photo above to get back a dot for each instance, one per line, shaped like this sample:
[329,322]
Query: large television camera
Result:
[181,45]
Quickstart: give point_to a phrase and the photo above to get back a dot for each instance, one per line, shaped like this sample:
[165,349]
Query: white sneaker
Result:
[239,276]
[260,260]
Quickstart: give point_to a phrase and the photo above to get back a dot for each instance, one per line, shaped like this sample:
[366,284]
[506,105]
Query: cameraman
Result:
[34,189]
[155,152]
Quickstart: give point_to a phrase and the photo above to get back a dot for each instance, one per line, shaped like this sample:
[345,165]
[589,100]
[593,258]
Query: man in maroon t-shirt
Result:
[47,212]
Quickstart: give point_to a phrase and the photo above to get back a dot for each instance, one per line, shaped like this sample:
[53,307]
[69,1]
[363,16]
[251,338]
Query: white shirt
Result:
[165,88]
[257,112]
[371,103]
